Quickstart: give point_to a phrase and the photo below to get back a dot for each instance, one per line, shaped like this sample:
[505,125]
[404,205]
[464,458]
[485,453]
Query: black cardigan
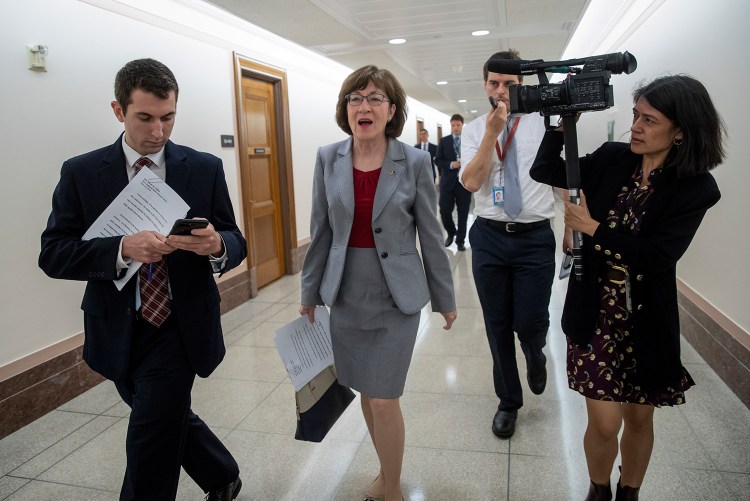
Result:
[674,212]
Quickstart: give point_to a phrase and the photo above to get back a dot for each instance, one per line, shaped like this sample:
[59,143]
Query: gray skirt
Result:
[372,339]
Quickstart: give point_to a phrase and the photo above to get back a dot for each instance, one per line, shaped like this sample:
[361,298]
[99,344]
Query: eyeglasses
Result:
[372,99]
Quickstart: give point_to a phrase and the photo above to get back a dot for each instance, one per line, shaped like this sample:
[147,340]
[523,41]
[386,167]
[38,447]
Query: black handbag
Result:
[319,405]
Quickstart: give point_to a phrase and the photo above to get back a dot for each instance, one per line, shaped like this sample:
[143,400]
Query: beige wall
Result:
[707,40]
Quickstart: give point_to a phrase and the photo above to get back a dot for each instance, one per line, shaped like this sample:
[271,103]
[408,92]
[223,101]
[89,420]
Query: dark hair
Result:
[424,130]
[148,75]
[506,54]
[686,103]
[384,80]
[457,117]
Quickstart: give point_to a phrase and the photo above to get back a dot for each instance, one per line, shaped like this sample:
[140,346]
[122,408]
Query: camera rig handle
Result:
[573,173]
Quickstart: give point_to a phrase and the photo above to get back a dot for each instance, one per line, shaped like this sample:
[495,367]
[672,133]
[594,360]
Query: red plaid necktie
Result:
[155,307]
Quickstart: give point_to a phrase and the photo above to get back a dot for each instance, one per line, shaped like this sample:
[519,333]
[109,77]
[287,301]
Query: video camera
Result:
[585,89]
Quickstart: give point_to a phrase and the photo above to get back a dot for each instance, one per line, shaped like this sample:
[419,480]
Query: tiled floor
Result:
[702,449]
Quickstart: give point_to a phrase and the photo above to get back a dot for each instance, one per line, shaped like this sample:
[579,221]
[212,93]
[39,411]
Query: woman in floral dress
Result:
[641,205]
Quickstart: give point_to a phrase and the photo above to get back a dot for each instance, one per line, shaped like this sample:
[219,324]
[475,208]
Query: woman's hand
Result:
[449,317]
[309,310]
[577,217]
[567,243]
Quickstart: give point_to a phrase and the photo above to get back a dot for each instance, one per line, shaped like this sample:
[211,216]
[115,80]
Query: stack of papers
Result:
[305,348]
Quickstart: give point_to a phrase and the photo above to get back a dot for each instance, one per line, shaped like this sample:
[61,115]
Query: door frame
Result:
[248,67]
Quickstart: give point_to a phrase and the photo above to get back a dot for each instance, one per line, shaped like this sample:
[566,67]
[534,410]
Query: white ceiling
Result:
[439,44]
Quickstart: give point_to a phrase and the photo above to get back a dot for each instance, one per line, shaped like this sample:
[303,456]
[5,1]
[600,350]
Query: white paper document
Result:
[146,204]
[305,348]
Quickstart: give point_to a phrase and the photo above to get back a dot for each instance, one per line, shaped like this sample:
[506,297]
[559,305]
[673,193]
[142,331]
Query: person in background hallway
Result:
[513,246]
[424,144]
[372,195]
[452,194]
[151,353]
[641,205]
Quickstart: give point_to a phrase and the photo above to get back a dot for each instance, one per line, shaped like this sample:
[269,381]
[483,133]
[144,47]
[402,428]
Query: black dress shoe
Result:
[461,247]
[504,423]
[226,493]
[536,372]
[449,240]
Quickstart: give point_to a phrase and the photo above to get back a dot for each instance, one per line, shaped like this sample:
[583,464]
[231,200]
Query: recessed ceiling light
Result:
[480,33]
[462,100]
[397,41]
[473,111]
[441,82]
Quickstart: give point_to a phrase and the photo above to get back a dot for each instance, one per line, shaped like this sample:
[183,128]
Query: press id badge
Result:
[498,195]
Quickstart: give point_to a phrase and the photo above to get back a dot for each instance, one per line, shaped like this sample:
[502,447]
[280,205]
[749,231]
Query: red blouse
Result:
[365,184]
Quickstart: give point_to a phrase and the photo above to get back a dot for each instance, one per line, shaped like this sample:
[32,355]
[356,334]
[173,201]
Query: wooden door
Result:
[260,181]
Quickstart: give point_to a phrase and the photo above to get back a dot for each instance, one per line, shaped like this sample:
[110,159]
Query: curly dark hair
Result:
[687,104]
[148,75]
[384,80]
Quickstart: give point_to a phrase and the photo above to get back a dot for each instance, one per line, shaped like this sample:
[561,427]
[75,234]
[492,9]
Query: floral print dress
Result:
[604,369]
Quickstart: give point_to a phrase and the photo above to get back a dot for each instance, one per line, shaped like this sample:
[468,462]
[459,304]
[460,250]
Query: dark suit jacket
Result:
[674,212]
[432,148]
[88,183]
[445,155]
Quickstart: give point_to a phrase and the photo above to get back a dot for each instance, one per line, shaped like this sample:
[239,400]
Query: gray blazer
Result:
[404,205]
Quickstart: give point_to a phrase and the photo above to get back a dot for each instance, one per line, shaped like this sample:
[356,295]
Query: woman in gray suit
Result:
[372,194]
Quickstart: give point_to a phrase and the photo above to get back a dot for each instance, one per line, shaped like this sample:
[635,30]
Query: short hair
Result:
[383,80]
[506,54]
[424,130]
[457,117]
[147,75]
[687,104]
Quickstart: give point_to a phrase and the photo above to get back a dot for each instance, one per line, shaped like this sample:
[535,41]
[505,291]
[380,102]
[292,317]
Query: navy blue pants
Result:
[513,273]
[454,195]
[163,432]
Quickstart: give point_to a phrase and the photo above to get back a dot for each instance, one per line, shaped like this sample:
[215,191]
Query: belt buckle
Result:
[510,227]
[622,270]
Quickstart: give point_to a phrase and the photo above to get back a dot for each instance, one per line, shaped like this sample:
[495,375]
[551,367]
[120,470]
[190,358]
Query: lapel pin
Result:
[392,173]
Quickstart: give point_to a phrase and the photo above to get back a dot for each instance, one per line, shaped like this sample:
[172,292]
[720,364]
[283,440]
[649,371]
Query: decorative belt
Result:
[616,274]
[619,275]
[512,227]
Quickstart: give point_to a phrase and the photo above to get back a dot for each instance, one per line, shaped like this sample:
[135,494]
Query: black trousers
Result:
[163,432]
[513,274]
[454,195]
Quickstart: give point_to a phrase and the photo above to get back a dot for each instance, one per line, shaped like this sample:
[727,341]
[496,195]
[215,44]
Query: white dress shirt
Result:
[538,199]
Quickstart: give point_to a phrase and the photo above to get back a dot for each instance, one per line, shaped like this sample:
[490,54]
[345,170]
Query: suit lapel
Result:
[113,173]
[178,170]
[393,169]
[342,173]
[615,177]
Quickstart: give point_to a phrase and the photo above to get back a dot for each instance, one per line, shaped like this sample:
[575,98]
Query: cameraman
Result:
[513,246]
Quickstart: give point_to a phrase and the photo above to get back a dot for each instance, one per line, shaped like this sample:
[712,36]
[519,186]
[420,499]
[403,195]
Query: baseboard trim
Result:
[39,383]
[724,345]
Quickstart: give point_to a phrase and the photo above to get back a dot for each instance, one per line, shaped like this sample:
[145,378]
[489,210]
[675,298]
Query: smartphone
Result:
[566,266]
[185,226]
[493,102]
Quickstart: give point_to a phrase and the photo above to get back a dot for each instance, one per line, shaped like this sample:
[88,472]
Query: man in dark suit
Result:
[152,359]
[452,194]
[424,144]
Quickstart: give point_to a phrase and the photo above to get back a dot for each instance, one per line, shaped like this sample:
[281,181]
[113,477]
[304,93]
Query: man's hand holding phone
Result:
[196,235]
[145,247]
